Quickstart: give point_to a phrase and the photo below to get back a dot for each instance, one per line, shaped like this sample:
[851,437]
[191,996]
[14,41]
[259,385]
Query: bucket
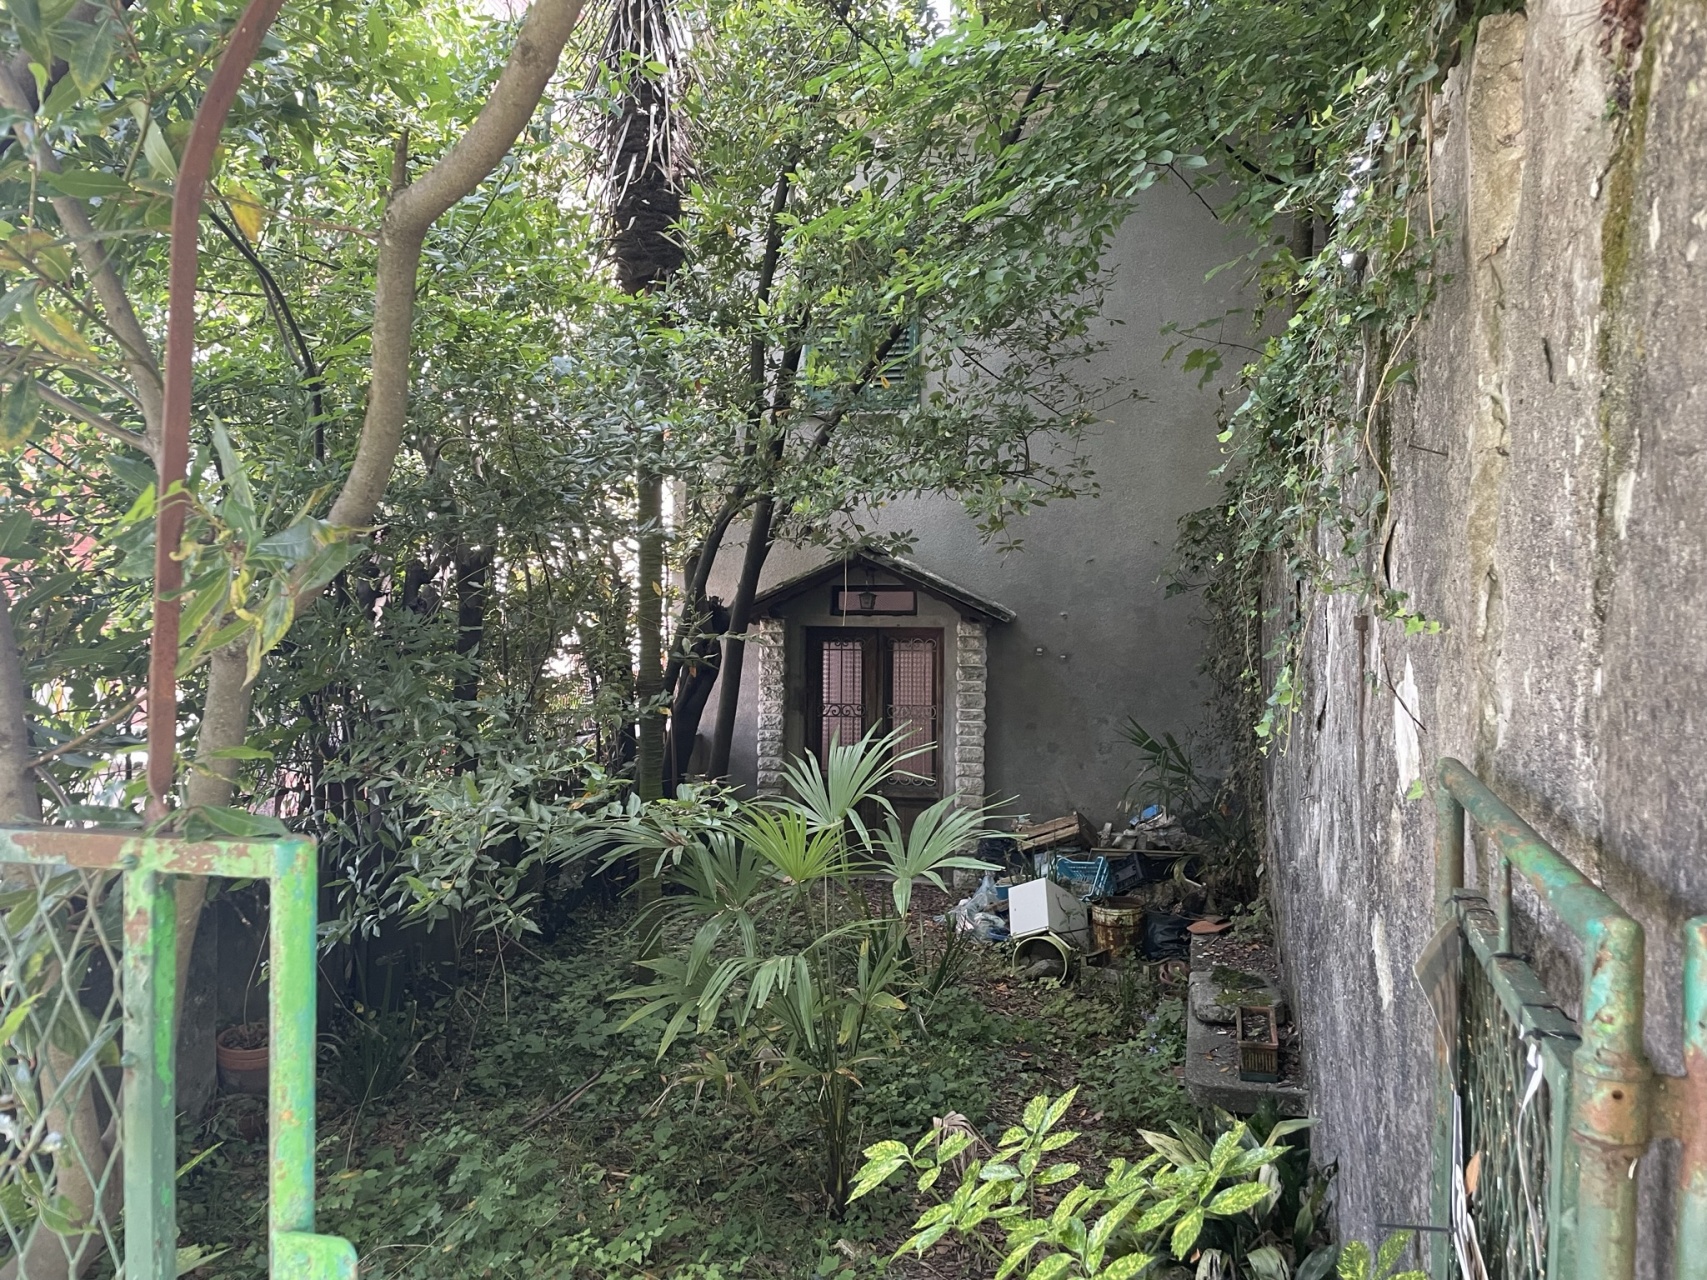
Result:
[1115,924]
[1045,946]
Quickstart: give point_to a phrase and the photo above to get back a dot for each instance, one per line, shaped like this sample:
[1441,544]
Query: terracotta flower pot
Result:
[241,1070]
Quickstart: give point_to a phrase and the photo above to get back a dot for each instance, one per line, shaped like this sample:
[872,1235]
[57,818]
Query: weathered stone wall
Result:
[1549,481]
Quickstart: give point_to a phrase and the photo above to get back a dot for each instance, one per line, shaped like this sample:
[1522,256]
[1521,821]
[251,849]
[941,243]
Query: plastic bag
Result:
[985,898]
[1164,936]
[986,926]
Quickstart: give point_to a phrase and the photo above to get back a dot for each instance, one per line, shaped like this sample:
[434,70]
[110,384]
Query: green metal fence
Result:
[1542,1121]
[1507,1117]
[88,997]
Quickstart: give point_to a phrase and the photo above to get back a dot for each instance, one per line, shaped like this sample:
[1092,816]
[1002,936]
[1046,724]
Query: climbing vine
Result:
[1306,505]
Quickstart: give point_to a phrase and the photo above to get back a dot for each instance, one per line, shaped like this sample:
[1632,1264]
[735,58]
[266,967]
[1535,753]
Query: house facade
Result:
[1019,668]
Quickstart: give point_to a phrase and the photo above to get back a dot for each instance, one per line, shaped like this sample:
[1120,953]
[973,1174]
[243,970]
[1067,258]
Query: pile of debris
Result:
[1068,892]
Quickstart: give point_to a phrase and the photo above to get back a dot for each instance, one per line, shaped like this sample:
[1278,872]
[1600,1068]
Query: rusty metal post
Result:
[188,194]
[1612,1082]
[1502,902]
[1448,849]
[1691,1111]
[1610,1096]
[1448,880]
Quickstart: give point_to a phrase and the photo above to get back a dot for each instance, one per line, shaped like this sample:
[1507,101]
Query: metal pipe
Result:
[170,513]
[1691,1114]
[1502,902]
[1612,1082]
[290,1088]
[1448,849]
[148,978]
[1448,880]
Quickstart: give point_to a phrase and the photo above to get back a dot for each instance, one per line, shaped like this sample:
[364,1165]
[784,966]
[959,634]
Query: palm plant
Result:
[788,975]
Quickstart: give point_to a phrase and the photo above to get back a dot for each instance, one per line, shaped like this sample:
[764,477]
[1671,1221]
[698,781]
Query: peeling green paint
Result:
[150,866]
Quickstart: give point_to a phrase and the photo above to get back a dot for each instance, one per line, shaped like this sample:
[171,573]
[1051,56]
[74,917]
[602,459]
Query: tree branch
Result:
[286,320]
[408,216]
[106,426]
[93,730]
[139,356]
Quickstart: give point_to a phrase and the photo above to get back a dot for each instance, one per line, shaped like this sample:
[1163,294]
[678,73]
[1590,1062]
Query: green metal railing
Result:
[82,997]
[1542,1121]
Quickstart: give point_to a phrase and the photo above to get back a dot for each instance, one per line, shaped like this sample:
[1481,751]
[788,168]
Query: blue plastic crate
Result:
[1083,877]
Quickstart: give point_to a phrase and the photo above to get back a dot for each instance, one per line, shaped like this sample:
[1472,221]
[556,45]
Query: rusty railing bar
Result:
[1612,1081]
[188,193]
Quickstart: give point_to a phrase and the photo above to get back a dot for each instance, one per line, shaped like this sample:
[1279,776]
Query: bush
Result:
[790,977]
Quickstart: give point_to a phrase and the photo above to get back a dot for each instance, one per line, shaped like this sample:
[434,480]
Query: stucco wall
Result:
[1549,475]
[1095,641]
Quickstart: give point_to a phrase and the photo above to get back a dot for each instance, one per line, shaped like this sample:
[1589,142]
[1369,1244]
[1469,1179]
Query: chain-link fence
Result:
[1508,1112]
[61,938]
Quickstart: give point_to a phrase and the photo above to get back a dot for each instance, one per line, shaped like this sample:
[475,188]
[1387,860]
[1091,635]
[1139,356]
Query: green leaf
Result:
[17,535]
[1238,1199]
[1125,1268]
[92,56]
[1157,1215]
[86,183]
[239,504]
[1016,1258]
[59,1215]
[203,821]
[17,296]
[1186,1231]
[56,333]
[1056,1173]
[1052,1267]
[191,1256]
[1319,1264]
[14,1019]
[61,98]
[875,1173]
[160,157]
[1354,1262]
[32,30]
[20,412]
[1391,1249]
[238,753]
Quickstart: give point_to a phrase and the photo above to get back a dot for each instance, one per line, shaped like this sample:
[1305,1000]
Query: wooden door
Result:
[888,677]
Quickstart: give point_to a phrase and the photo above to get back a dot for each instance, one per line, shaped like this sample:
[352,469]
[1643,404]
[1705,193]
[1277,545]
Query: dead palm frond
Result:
[641,140]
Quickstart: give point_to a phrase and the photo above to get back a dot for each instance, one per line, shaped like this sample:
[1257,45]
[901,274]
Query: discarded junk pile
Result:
[1068,892]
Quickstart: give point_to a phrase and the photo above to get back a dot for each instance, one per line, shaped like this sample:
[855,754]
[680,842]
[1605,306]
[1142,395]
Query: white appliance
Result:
[1042,906]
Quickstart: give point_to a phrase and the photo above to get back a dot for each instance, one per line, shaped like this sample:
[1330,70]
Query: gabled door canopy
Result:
[969,604]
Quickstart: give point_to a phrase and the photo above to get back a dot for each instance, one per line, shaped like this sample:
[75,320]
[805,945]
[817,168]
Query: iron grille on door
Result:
[912,711]
[890,678]
[842,711]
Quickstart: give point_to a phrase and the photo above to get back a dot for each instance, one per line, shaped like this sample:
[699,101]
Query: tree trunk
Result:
[473,569]
[735,643]
[47,1255]
[649,626]
[694,664]
[19,799]
[648,688]
[213,783]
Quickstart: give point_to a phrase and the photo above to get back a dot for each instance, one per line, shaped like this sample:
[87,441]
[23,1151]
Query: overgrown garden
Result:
[508,329]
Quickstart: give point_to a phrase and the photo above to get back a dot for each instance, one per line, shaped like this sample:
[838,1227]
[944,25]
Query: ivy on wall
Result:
[1306,508]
